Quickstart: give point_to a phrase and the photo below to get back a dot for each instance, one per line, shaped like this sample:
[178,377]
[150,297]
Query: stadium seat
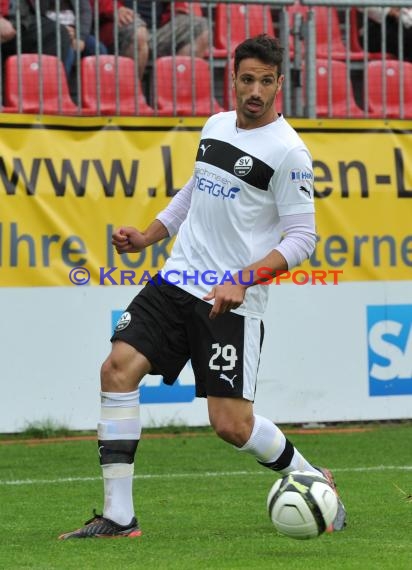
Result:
[327,23]
[190,83]
[188,7]
[39,83]
[338,91]
[236,22]
[113,82]
[389,73]
[355,44]
[328,18]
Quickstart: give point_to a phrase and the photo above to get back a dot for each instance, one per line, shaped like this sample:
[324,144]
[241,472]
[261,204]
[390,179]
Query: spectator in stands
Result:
[135,22]
[7,31]
[182,27]
[82,40]
[130,37]
[394,17]
[54,40]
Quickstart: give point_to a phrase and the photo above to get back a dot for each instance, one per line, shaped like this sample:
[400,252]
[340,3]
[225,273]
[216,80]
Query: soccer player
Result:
[249,205]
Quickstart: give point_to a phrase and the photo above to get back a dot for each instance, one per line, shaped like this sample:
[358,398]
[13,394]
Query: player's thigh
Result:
[123,368]
[154,324]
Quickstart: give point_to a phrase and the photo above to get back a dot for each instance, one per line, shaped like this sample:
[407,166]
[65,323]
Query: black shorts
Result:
[170,326]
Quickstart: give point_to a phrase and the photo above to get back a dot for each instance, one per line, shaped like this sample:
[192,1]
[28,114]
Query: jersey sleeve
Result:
[299,238]
[292,183]
[209,124]
[176,211]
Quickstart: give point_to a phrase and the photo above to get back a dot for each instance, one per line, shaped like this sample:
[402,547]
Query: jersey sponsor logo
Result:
[215,188]
[389,350]
[227,379]
[123,322]
[243,166]
[298,175]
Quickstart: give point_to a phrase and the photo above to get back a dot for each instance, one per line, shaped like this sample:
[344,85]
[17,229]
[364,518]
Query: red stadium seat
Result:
[355,44]
[113,82]
[193,8]
[389,73]
[187,78]
[188,7]
[327,24]
[34,81]
[328,18]
[236,22]
[339,91]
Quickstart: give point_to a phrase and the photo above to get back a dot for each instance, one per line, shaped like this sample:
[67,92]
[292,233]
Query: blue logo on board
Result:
[389,350]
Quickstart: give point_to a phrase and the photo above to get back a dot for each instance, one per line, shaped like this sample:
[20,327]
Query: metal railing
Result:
[309,73]
[389,63]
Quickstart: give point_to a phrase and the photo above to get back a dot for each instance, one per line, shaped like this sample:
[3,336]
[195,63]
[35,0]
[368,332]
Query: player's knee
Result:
[112,374]
[232,431]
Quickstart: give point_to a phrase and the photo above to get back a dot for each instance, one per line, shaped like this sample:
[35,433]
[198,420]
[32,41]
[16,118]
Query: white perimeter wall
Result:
[314,364]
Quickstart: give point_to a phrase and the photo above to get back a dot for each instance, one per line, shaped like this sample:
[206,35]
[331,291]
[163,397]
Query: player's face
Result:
[256,86]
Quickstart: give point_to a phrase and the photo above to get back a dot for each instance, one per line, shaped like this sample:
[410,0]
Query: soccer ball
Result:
[302,505]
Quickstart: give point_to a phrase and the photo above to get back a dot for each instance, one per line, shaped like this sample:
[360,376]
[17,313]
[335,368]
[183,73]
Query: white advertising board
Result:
[331,353]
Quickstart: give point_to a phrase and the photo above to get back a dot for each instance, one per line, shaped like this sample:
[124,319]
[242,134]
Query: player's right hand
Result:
[226,297]
[128,240]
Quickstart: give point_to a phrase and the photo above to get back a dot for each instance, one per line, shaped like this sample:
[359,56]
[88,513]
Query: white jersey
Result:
[244,181]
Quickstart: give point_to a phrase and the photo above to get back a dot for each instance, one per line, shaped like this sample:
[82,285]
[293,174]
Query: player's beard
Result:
[260,111]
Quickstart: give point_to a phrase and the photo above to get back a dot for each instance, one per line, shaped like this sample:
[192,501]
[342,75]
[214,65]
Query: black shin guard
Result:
[117,450]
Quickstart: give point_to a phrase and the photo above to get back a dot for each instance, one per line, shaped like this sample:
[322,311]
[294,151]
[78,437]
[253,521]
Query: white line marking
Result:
[193,475]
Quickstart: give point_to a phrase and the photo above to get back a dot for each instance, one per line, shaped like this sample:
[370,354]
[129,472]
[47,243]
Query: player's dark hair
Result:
[263,47]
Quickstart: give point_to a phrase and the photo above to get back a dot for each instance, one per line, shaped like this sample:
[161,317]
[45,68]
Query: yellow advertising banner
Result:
[66,183]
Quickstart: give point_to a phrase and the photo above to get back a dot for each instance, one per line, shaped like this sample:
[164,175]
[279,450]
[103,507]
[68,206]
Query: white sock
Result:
[119,422]
[271,448]
[118,497]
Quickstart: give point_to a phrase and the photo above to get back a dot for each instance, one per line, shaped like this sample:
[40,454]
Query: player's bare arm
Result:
[257,273]
[128,239]
[229,296]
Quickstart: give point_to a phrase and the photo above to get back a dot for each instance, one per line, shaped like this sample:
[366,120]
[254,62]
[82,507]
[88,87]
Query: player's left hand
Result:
[227,297]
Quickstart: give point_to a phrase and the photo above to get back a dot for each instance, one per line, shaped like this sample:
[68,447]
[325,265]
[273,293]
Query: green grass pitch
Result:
[202,505]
